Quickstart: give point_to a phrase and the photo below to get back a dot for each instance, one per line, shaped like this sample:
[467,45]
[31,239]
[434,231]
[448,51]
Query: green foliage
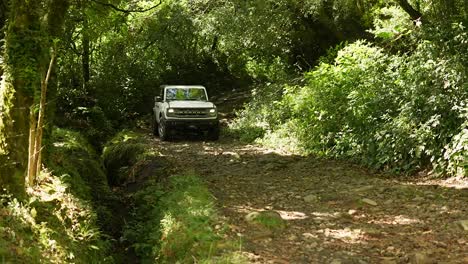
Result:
[223,45]
[124,155]
[73,158]
[175,223]
[398,112]
[390,23]
[52,226]
[268,219]
[91,121]
[265,112]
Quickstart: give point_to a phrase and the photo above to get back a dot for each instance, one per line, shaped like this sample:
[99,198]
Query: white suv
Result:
[182,107]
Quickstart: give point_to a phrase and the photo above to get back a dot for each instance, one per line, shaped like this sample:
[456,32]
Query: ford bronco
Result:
[183,107]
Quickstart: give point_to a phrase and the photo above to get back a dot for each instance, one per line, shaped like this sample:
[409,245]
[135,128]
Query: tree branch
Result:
[127,11]
[414,14]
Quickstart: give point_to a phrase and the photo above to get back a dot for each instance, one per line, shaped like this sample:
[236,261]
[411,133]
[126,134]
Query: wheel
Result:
[213,133]
[163,130]
[154,126]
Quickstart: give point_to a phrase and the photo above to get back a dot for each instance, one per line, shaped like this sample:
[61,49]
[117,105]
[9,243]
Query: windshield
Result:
[179,93]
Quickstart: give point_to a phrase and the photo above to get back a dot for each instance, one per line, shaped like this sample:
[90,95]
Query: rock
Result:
[364,188]
[387,260]
[310,198]
[309,236]
[463,224]
[336,261]
[270,219]
[352,212]
[250,217]
[234,155]
[369,201]
[420,258]
[388,202]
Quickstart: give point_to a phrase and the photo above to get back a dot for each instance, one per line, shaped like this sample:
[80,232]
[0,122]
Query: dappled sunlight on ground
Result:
[453,182]
[292,215]
[395,220]
[346,235]
[286,215]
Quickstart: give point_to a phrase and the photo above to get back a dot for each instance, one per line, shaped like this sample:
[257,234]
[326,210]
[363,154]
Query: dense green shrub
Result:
[402,112]
[263,113]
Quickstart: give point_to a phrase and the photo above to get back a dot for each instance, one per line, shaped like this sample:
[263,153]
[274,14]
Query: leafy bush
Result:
[175,224]
[401,112]
[264,113]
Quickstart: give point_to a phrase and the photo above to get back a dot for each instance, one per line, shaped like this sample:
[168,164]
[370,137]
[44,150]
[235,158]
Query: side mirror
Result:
[157,99]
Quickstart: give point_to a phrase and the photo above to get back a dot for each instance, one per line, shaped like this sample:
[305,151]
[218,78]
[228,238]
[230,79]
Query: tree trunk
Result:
[20,79]
[57,10]
[35,166]
[32,151]
[86,52]
[414,14]
[24,57]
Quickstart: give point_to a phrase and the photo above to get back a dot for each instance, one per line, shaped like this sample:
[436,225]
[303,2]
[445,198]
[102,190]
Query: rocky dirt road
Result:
[333,212]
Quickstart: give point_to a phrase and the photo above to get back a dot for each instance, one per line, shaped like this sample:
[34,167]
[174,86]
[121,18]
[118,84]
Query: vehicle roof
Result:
[181,86]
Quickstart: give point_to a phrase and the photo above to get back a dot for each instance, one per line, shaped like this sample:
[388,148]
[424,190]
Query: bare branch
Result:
[127,11]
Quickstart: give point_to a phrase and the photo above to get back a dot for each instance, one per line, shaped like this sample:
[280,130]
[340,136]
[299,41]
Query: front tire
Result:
[163,130]
[154,126]
[213,133]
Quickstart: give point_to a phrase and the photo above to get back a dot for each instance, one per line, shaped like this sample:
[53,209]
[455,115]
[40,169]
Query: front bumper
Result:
[192,123]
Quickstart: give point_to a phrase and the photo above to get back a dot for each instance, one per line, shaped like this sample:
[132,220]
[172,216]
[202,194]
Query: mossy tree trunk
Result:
[23,49]
[25,58]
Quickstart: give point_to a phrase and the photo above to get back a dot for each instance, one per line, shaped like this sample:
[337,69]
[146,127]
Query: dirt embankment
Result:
[333,212]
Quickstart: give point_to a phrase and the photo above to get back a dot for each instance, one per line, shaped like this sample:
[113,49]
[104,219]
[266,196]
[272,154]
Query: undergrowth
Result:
[400,112]
[58,222]
[177,223]
[125,155]
[174,220]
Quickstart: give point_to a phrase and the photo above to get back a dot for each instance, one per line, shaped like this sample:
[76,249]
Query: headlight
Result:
[212,112]
[170,112]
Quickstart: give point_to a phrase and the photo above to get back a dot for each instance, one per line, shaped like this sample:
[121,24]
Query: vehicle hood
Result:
[190,104]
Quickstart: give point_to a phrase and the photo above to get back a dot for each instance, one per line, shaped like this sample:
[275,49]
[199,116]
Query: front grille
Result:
[191,112]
